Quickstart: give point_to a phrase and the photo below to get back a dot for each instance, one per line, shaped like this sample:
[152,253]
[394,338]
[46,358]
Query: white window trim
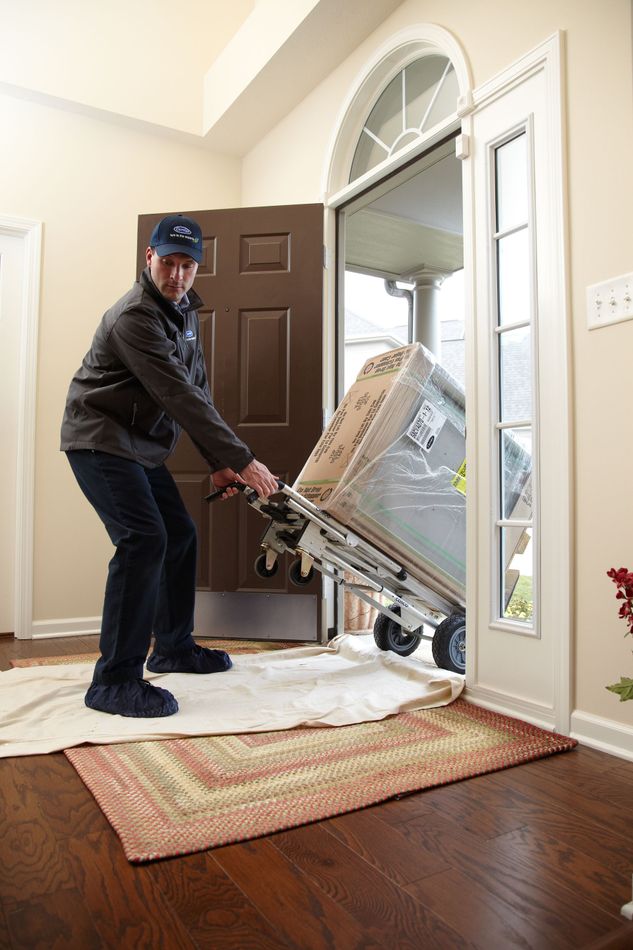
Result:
[398,51]
[553,389]
[497,622]
[395,53]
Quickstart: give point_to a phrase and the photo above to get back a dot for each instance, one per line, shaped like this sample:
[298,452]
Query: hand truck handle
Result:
[239,485]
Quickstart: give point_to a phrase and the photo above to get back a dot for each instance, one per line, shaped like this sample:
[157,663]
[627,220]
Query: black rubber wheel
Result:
[389,635]
[260,567]
[295,575]
[449,644]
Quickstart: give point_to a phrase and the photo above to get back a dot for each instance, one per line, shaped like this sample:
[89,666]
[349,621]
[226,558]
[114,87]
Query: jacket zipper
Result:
[134,408]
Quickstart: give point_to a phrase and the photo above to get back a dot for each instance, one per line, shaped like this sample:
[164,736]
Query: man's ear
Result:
[148,256]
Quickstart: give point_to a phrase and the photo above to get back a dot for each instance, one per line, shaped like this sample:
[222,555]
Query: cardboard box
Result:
[391,466]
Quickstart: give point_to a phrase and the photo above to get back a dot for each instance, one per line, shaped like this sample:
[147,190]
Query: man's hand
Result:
[258,477]
[224,478]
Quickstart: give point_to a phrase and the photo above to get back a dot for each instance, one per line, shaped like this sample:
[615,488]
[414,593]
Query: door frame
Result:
[30,232]
[393,55]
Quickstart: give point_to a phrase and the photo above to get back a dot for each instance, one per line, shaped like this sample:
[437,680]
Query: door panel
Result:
[261,332]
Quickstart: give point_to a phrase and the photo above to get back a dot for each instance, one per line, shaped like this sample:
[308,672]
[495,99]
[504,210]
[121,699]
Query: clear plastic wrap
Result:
[391,466]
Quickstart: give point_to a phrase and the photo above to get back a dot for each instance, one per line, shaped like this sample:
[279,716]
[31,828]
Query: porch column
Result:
[426,318]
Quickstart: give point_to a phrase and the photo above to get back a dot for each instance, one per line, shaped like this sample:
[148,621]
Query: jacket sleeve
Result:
[140,342]
[201,379]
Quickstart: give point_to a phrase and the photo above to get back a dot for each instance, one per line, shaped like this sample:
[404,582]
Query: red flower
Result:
[623,580]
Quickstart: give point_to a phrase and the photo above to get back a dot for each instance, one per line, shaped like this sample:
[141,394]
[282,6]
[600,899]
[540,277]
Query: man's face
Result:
[173,274]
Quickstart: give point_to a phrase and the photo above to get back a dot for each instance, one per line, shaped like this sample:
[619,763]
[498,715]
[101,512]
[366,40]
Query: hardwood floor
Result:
[538,856]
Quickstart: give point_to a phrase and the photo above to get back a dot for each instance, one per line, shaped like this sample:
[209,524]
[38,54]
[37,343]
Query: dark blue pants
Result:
[152,576]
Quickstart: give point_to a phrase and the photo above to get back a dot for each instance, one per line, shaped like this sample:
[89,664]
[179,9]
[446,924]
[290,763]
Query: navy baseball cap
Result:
[176,234]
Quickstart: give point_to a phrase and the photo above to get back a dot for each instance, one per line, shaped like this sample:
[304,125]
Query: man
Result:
[143,380]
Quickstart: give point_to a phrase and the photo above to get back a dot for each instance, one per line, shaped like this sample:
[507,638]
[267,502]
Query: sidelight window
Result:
[515,413]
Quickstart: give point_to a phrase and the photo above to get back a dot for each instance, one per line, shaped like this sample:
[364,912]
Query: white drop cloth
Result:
[42,707]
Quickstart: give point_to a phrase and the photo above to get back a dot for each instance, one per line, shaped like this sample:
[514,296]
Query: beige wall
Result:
[289,164]
[87,181]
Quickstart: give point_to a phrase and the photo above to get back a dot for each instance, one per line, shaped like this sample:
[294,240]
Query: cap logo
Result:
[181,229]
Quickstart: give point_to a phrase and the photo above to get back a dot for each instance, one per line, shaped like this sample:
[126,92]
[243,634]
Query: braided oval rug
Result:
[177,796]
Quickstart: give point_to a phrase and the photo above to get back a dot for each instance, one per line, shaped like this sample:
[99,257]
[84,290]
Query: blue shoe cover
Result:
[136,698]
[195,660]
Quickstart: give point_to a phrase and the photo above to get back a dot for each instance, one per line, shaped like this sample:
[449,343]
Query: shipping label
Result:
[426,426]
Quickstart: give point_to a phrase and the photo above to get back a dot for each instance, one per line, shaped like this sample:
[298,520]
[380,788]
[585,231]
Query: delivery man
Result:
[141,382]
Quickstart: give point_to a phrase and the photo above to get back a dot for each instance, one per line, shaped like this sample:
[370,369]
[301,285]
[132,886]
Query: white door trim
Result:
[394,54]
[31,233]
[546,59]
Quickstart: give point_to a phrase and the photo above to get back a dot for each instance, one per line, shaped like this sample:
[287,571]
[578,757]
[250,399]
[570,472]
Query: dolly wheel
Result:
[295,575]
[389,635]
[449,644]
[260,567]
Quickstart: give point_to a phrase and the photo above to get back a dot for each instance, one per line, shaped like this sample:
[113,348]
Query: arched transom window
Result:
[419,97]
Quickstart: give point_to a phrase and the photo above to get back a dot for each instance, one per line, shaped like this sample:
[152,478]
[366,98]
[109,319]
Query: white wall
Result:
[87,181]
[288,165]
[135,59]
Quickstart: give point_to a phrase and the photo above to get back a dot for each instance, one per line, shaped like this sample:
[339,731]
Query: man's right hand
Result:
[260,478]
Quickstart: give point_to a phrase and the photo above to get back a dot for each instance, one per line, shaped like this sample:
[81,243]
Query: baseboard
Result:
[602,734]
[75,627]
[514,706]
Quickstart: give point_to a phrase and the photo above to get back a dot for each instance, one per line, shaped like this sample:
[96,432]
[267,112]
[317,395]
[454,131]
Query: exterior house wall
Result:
[290,165]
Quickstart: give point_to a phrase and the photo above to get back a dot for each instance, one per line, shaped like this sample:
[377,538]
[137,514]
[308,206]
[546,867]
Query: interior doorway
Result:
[11,305]
[401,280]
[401,259]
[260,281]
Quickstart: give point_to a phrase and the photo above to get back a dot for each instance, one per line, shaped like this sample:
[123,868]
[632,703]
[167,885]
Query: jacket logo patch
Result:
[190,335]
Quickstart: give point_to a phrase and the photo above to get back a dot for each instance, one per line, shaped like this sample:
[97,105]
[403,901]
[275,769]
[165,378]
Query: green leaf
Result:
[624,688]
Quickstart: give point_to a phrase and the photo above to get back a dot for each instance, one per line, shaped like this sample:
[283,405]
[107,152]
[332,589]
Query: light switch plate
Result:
[610,302]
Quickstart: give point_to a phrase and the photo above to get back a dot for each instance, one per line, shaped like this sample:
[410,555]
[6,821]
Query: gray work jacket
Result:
[142,381]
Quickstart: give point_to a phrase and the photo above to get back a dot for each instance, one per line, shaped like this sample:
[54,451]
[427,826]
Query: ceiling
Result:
[416,226]
[212,73]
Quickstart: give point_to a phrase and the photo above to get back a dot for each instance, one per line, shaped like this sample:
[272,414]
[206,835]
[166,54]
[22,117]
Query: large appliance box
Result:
[391,466]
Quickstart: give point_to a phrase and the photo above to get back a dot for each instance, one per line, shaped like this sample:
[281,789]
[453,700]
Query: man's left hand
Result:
[224,478]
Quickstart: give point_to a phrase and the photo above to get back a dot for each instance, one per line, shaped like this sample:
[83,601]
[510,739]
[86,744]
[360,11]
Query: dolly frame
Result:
[318,541]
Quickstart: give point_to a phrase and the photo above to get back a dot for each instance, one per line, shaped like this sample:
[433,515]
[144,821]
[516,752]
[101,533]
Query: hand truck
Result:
[406,605]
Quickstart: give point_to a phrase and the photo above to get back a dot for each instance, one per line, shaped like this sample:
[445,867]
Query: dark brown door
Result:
[261,330]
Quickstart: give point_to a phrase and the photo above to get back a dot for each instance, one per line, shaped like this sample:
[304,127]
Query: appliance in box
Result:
[391,466]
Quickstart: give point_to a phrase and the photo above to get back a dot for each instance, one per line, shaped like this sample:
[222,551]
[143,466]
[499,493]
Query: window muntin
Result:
[416,99]
[515,421]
